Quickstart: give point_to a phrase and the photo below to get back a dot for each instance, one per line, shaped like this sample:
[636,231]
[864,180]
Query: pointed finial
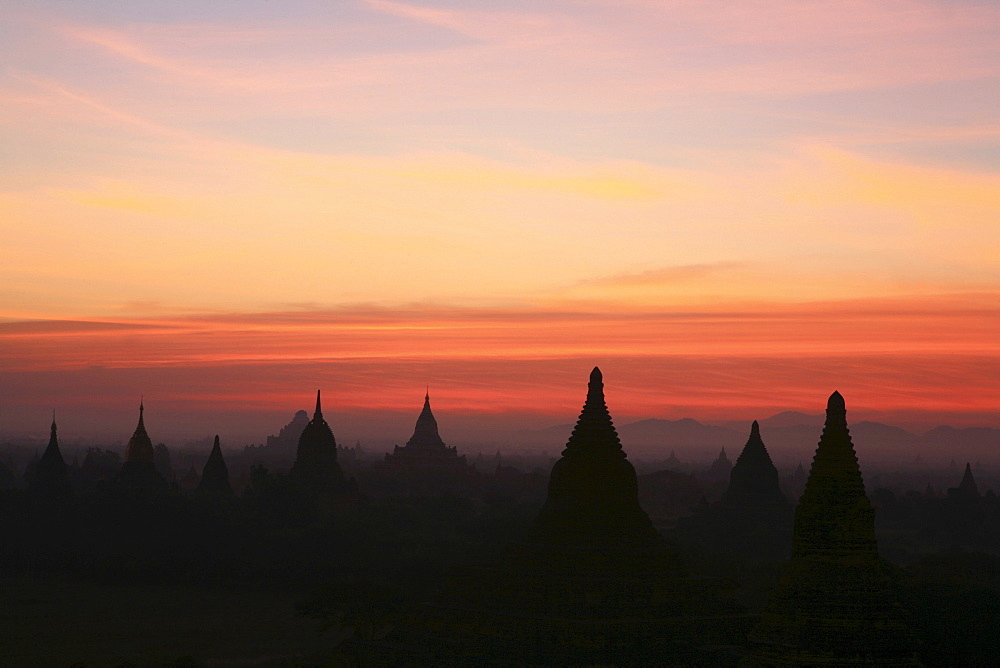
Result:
[427,393]
[53,419]
[216,444]
[836,402]
[754,429]
[319,409]
[595,376]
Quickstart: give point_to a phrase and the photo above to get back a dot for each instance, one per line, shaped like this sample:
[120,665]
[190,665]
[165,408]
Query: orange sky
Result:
[733,209]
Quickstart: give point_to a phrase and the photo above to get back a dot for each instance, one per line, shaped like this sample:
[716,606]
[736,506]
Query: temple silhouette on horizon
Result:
[215,476]
[834,605]
[316,469]
[51,474]
[592,582]
[138,472]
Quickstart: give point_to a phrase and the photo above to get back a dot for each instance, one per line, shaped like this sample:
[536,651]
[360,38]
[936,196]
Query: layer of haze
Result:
[733,208]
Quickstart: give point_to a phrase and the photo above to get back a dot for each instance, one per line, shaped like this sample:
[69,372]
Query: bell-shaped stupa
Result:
[51,478]
[316,466]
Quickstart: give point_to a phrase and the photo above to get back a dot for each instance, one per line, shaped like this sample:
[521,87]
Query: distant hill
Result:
[791,437]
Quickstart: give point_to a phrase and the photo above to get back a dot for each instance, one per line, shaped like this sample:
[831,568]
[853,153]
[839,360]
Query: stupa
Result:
[316,468]
[215,475]
[834,605]
[51,475]
[139,470]
[753,480]
[592,583]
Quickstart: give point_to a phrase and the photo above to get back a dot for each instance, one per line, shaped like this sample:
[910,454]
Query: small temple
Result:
[425,446]
[834,605]
[752,522]
[51,475]
[215,475]
[753,480]
[316,468]
[967,490]
[139,470]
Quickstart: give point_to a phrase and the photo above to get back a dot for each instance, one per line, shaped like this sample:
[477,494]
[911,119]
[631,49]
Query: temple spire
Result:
[319,410]
[594,428]
[968,485]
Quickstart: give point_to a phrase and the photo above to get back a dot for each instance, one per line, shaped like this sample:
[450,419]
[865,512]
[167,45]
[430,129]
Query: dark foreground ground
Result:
[50,620]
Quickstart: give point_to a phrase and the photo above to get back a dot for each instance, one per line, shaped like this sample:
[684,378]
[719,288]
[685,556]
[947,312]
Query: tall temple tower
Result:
[139,470]
[215,475]
[592,518]
[51,477]
[592,582]
[834,605]
[316,466]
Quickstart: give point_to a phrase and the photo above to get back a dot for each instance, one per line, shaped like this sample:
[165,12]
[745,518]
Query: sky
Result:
[732,208]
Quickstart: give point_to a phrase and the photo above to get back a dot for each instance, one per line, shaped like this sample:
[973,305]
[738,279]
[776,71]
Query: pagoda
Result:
[967,490]
[753,480]
[316,468]
[752,522]
[139,473]
[51,475]
[425,447]
[592,583]
[425,466]
[215,475]
[834,605]
[592,519]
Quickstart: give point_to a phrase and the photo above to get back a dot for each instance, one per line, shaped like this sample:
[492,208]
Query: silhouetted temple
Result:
[834,605]
[215,475]
[51,475]
[316,466]
[753,520]
[139,470]
[425,466]
[753,480]
[591,521]
[425,447]
[721,467]
[592,583]
[967,490]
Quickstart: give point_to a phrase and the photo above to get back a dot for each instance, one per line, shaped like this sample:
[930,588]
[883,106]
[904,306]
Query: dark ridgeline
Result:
[51,475]
[592,582]
[316,469]
[215,475]
[834,605]
[139,473]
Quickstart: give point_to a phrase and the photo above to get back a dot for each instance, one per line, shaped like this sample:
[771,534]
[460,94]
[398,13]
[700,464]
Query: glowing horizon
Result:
[489,195]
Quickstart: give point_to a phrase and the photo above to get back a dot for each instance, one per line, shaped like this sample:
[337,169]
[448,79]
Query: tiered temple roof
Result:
[593,505]
[425,445]
[834,605]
